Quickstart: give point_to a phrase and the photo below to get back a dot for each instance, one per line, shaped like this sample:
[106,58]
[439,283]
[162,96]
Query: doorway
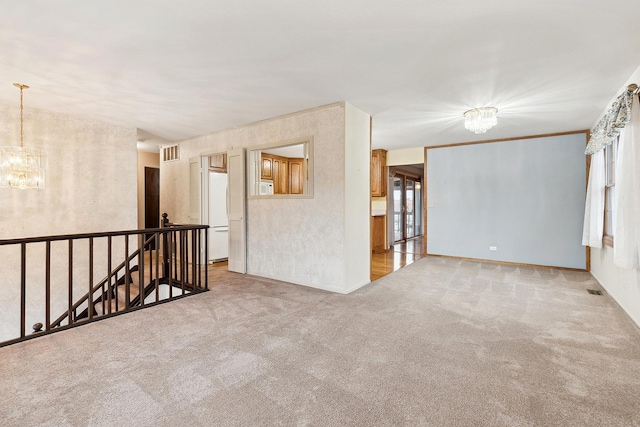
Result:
[216,212]
[407,202]
[217,198]
[151,201]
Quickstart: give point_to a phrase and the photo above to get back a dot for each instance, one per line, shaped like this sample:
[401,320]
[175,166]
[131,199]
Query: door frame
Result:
[237,265]
[402,174]
[146,203]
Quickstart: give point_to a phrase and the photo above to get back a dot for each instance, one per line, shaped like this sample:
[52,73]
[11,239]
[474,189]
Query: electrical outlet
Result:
[493,248]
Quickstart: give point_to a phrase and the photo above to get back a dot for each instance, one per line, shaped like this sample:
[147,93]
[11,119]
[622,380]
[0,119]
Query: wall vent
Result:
[171,153]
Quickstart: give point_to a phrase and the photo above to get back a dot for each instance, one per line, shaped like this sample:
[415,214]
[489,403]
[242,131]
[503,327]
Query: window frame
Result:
[254,168]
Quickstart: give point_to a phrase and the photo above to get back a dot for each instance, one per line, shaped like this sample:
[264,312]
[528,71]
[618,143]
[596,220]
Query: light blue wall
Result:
[526,197]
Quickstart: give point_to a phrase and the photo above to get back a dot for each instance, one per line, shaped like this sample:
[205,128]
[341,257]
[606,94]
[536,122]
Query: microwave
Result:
[266,187]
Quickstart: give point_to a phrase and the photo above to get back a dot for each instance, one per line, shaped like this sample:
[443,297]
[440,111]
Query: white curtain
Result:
[627,209]
[593,227]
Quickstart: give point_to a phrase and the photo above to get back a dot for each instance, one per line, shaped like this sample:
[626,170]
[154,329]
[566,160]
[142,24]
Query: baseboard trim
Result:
[624,310]
[334,290]
[518,264]
[356,287]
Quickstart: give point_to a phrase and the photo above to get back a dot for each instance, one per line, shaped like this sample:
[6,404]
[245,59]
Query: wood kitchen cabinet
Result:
[378,173]
[296,178]
[267,167]
[280,167]
[378,234]
[286,173]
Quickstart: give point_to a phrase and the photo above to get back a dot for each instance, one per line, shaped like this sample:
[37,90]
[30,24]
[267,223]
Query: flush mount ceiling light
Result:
[22,167]
[480,120]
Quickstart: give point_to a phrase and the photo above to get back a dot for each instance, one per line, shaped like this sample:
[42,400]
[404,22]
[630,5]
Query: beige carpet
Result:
[441,342]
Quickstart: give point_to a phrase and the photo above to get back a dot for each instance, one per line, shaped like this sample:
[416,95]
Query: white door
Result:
[237,209]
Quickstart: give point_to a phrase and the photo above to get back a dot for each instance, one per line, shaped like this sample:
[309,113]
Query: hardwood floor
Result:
[393,259]
[398,256]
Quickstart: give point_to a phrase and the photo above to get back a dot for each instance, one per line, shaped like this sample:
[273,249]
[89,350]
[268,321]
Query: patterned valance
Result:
[609,126]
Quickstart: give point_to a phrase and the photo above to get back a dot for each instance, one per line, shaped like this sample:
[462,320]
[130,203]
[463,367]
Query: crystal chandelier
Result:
[22,167]
[480,120]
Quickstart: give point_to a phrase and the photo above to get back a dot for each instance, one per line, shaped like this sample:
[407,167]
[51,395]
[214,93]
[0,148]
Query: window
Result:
[282,170]
[610,155]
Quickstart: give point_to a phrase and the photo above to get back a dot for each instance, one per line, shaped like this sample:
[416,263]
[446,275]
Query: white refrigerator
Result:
[218,220]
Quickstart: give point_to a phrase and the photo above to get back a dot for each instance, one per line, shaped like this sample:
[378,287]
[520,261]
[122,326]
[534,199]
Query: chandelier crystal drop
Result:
[21,167]
[480,120]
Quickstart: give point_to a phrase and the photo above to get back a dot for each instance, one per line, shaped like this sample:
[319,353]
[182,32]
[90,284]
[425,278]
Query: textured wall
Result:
[405,156]
[622,284]
[91,186]
[91,178]
[295,240]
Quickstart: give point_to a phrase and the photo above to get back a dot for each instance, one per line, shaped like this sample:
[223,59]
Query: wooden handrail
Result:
[101,234]
[184,251]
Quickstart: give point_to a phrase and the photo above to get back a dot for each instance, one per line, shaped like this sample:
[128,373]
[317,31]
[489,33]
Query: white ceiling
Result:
[178,69]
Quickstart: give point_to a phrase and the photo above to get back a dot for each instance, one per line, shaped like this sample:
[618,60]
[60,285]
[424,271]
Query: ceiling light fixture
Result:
[21,167]
[480,120]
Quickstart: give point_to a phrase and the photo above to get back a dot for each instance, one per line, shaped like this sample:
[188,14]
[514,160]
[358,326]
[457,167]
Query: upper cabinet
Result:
[267,167]
[378,173]
[286,173]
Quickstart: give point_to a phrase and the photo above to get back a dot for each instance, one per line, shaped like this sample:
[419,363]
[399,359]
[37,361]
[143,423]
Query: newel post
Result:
[166,250]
